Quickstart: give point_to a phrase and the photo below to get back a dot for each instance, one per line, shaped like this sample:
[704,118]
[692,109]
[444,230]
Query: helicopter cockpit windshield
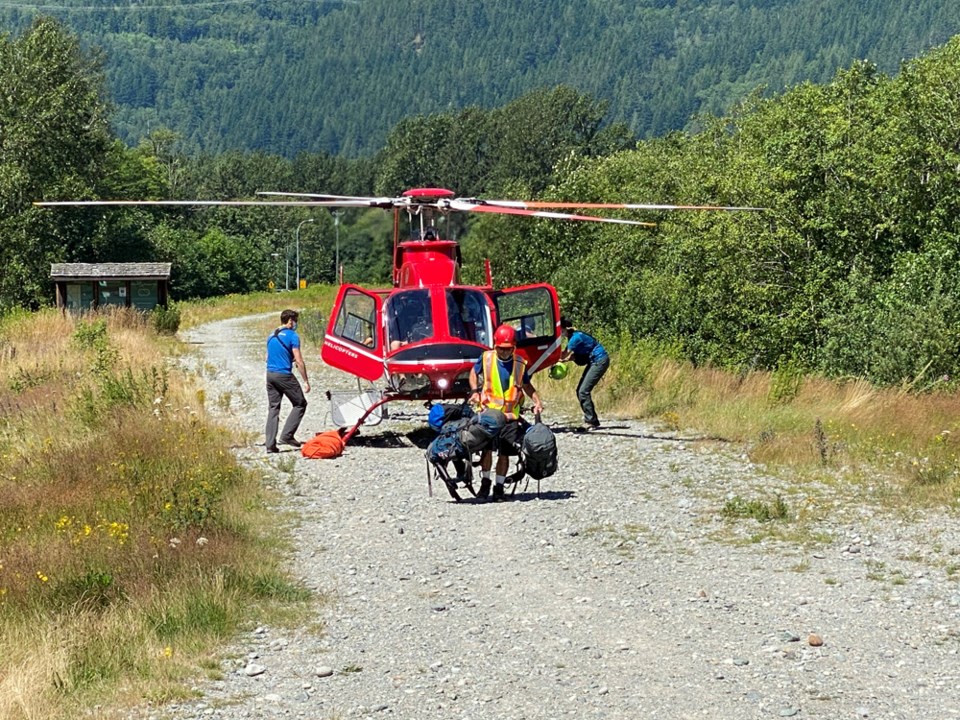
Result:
[409,318]
[468,315]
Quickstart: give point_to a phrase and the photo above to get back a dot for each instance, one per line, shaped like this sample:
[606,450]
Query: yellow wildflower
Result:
[118,531]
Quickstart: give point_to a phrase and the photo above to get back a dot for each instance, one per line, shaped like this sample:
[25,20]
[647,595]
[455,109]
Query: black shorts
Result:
[511,438]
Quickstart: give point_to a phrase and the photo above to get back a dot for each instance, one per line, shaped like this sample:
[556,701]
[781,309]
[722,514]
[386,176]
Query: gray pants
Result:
[588,381]
[280,385]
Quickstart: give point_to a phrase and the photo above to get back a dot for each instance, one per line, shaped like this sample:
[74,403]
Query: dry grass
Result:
[808,424]
[131,542]
[130,539]
[198,313]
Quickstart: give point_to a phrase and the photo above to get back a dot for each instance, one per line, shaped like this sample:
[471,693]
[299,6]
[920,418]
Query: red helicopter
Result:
[418,339]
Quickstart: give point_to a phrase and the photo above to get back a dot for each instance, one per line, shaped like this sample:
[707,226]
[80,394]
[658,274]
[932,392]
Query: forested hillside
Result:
[286,76]
[851,269]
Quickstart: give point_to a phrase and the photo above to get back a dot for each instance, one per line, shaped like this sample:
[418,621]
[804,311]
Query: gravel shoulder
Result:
[621,591]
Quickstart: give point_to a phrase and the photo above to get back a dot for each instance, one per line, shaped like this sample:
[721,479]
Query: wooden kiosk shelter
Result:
[89,286]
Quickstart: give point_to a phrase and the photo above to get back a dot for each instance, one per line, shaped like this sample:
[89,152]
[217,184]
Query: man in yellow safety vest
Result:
[505,380]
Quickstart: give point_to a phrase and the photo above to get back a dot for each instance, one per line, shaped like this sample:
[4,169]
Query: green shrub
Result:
[93,336]
[312,325]
[90,335]
[112,389]
[166,320]
[785,382]
[738,507]
[638,358]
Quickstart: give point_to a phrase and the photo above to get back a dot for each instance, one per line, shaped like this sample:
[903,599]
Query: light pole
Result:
[336,267]
[310,220]
[286,253]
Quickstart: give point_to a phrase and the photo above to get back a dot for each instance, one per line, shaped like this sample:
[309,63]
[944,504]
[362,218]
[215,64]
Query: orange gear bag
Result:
[323,445]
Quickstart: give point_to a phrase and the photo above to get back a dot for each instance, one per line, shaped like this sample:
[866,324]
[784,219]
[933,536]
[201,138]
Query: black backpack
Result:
[446,446]
[481,430]
[539,451]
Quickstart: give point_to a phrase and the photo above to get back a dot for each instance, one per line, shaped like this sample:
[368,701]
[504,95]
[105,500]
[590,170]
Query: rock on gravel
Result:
[621,591]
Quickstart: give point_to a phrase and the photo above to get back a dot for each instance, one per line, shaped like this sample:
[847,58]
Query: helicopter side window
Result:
[355,319]
[530,312]
[533,326]
[466,311]
[410,319]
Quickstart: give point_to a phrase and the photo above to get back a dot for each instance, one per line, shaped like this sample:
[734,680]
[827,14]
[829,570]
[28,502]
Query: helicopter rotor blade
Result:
[197,203]
[540,209]
[474,206]
[340,200]
[530,205]
[318,196]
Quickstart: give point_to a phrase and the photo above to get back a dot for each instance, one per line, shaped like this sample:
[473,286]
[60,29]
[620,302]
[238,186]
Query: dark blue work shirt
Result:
[505,367]
[582,344]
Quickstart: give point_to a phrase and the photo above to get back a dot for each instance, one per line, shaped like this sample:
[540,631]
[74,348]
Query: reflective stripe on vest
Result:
[494,396]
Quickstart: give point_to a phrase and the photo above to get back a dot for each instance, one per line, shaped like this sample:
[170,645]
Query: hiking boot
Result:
[273,449]
[484,491]
[292,442]
[498,495]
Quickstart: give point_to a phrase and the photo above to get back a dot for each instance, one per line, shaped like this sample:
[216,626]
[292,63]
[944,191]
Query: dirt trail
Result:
[621,592]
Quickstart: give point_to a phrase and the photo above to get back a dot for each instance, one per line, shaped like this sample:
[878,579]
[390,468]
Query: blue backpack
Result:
[442,413]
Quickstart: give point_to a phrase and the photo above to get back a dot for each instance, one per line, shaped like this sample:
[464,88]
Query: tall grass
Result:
[314,299]
[908,442]
[130,540]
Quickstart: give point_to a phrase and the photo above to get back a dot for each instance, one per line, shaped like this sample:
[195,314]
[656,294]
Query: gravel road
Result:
[622,591]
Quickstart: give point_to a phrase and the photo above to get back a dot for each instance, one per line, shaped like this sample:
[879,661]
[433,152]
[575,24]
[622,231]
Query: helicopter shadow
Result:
[612,431]
[549,495]
[422,437]
[383,440]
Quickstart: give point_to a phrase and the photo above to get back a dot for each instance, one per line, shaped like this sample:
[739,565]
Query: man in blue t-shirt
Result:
[283,352]
[585,350]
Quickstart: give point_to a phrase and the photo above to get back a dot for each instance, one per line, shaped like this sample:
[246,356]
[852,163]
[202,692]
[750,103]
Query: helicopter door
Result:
[354,339]
[533,310]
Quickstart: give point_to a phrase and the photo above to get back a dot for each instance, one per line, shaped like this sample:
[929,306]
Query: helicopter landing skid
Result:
[372,407]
